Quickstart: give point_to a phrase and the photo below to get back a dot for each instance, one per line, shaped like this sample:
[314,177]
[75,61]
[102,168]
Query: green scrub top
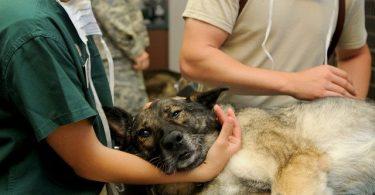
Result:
[43,87]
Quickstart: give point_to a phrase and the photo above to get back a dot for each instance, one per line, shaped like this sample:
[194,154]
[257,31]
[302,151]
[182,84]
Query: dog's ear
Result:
[207,98]
[120,122]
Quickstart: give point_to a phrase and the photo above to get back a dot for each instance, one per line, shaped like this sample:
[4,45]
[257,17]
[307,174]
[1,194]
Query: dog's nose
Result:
[172,141]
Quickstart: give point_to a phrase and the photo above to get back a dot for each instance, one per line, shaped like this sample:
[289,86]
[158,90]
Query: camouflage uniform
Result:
[125,33]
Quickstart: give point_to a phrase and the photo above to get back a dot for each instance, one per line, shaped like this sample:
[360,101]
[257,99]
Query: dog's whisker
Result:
[154,160]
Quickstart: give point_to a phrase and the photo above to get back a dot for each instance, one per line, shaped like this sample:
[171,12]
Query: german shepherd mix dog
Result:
[321,147]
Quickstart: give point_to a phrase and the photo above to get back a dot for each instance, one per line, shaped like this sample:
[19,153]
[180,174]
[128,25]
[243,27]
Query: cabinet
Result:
[158,49]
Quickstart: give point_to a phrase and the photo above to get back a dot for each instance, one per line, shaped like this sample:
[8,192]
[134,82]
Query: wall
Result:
[370,24]
[176,29]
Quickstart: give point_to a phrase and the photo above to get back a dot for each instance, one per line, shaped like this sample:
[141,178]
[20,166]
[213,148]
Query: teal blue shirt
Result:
[42,87]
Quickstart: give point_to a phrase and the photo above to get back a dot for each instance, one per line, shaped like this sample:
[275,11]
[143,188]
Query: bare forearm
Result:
[93,161]
[216,68]
[120,167]
[358,68]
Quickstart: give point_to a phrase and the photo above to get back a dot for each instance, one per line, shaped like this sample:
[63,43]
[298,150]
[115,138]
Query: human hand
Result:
[320,81]
[142,62]
[231,135]
[228,143]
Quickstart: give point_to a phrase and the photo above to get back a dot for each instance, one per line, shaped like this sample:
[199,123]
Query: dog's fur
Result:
[321,147]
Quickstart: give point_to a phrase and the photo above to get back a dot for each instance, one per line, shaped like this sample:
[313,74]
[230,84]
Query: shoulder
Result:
[220,13]
[23,22]
[22,11]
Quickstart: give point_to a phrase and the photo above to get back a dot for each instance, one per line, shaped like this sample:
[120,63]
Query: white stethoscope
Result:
[328,38]
[82,17]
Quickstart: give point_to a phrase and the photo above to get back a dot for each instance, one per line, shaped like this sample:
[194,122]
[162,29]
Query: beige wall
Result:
[176,27]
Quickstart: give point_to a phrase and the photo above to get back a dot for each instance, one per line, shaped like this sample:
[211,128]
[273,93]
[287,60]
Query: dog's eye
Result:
[144,133]
[175,114]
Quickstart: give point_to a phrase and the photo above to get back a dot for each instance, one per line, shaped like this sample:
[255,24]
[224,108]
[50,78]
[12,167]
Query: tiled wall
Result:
[370,24]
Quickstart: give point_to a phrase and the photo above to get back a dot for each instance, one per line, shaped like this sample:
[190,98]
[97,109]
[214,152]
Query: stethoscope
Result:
[269,27]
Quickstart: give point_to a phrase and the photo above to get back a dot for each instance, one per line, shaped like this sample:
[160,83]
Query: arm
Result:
[357,63]
[91,160]
[201,54]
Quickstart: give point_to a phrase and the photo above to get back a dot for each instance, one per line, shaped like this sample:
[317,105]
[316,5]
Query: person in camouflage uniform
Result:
[127,38]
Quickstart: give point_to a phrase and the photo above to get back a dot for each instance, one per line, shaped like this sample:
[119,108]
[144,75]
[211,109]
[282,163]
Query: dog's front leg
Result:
[305,173]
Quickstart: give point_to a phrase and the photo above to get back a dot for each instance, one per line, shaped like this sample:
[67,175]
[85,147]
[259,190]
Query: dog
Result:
[325,146]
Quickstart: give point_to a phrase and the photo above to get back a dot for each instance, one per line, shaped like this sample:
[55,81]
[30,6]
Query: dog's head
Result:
[173,134]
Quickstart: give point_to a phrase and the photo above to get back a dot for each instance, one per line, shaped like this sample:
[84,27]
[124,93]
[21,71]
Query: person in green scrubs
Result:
[51,137]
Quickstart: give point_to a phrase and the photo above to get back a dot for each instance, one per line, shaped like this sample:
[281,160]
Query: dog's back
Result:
[341,130]
[345,130]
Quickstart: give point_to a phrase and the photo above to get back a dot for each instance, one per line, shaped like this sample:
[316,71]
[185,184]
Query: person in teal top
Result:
[51,138]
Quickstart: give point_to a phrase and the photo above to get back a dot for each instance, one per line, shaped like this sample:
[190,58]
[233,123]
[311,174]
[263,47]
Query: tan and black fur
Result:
[321,147]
